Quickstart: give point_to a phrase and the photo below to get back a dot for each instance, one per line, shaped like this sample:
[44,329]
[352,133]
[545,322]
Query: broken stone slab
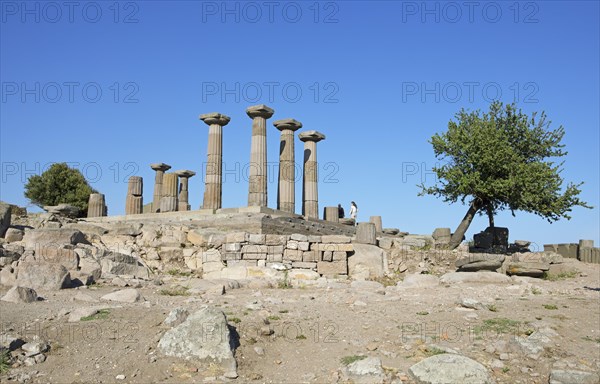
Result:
[204,336]
[391,231]
[366,233]
[52,237]
[474,277]
[78,313]
[20,295]
[532,269]
[559,376]
[449,368]
[418,280]
[479,261]
[65,210]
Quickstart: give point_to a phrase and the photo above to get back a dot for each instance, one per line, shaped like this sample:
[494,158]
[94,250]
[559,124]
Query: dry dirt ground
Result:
[317,330]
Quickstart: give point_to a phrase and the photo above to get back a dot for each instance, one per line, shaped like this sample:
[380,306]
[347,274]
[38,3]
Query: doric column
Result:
[134,202]
[160,169]
[96,205]
[310,195]
[213,178]
[257,183]
[286,194]
[184,176]
[168,199]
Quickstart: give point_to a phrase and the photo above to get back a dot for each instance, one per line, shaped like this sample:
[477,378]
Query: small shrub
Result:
[285,283]
[235,320]
[100,315]
[432,351]
[422,313]
[536,291]
[300,337]
[274,318]
[4,361]
[550,306]
[347,360]
[559,276]
[174,291]
[284,311]
[492,308]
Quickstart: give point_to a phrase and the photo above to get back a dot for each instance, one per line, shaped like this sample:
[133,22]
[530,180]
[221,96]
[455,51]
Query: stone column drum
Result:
[310,196]
[257,183]
[168,200]
[332,214]
[213,179]
[286,191]
[160,169]
[96,205]
[377,221]
[183,198]
[366,234]
[134,203]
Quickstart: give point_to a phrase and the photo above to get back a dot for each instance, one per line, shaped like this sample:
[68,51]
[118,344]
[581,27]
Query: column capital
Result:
[283,124]
[260,110]
[215,118]
[160,167]
[311,136]
[185,173]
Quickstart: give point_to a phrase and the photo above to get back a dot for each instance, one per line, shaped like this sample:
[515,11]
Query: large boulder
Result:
[4,218]
[366,262]
[43,276]
[368,370]
[205,336]
[449,368]
[52,238]
[119,264]
[20,295]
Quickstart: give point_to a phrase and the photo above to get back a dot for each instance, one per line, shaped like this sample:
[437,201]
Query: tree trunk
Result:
[490,213]
[458,235]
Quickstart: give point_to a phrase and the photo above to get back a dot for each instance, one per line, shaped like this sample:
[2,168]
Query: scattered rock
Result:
[78,313]
[449,369]
[480,261]
[43,276]
[176,317]
[471,303]
[65,210]
[366,262]
[5,211]
[13,234]
[20,295]
[205,336]
[130,295]
[367,370]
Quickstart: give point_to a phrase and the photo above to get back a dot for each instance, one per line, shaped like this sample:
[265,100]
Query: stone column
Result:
[257,183]
[168,199]
[332,214]
[310,196]
[134,202]
[183,199]
[286,192]
[160,169]
[213,179]
[377,221]
[96,206]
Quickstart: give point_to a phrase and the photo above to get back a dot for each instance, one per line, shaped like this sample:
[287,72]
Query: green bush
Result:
[59,184]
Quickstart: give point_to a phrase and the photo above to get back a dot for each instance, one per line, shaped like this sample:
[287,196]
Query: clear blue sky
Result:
[378,78]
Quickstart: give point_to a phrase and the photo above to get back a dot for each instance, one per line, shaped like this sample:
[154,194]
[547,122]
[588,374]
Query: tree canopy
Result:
[59,184]
[502,159]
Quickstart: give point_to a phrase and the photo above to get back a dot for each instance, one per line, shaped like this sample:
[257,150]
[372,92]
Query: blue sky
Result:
[112,87]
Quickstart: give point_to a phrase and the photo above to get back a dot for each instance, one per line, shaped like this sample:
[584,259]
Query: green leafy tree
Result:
[500,160]
[59,184]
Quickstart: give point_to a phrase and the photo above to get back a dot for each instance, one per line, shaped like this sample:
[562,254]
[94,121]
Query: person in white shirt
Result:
[353,211]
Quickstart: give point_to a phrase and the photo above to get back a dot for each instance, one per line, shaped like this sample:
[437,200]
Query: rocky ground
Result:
[524,330]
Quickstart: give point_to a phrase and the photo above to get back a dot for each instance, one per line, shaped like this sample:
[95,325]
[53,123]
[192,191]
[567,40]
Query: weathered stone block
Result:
[311,256]
[255,256]
[232,247]
[377,221]
[499,236]
[276,239]
[327,256]
[331,214]
[314,239]
[366,233]
[292,244]
[332,247]
[335,239]
[332,268]
[303,245]
[256,238]
[483,240]
[275,258]
[255,248]
[274,249]
[298,237]
[304,265]
[339,255]
[568,250]
[385,243]
[232,256]
[551,248]
[237,237]
[292,255]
